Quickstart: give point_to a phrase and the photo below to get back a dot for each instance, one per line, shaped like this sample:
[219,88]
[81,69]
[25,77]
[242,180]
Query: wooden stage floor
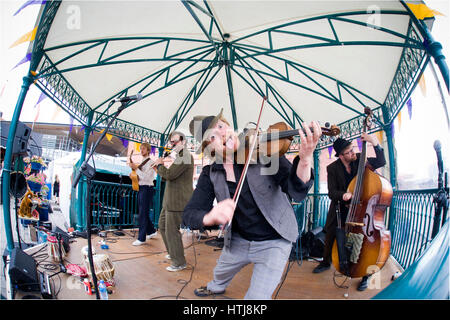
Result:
[140,273]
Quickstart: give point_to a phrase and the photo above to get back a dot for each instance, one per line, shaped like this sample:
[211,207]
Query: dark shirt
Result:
[248,220]
[377,162]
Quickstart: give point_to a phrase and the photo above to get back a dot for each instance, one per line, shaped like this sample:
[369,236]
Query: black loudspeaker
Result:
[20,144]
[318,243]
[23,271]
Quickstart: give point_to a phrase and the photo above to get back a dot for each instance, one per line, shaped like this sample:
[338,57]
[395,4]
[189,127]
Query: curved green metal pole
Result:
[432,47]
[27,81]
[82,185]
[391,151]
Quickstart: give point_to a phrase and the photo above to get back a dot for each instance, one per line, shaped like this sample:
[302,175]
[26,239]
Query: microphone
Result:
[437,148]
[136,97]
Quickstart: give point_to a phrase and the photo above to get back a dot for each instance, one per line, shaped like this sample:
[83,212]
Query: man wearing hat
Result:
[340,174]
[177,193]
[262,222]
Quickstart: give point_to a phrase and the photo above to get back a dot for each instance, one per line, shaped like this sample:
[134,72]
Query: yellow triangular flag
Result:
[26,37]
[423,85]
[379,135]
[137,147]
[399,118]
[421,11]
[109,137]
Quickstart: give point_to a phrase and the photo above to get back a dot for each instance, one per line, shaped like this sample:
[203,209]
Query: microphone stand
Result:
[88,171]
[440,199]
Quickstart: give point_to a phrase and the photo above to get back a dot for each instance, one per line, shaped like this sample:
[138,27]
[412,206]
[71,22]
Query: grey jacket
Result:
[271,193]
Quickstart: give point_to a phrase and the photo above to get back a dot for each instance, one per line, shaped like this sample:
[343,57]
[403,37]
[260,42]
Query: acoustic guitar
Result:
[134,176]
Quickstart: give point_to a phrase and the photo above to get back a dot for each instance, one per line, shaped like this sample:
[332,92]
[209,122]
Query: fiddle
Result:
[282,135]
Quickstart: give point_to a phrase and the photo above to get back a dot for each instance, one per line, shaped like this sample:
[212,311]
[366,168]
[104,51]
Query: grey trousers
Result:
[169,226]
[269,258]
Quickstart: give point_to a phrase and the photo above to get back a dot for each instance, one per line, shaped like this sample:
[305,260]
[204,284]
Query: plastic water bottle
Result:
[102,290]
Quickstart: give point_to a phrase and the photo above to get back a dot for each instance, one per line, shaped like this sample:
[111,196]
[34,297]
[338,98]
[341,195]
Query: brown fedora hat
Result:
[199,125]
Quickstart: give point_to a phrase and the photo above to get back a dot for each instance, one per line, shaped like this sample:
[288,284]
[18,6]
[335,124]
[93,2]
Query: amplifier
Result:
[23,271]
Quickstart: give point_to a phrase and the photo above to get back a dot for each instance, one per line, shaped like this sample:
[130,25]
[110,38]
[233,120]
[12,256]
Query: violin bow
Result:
[247,161]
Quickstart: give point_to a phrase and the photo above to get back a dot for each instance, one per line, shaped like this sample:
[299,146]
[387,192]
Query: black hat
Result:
[339,145]
[201,124]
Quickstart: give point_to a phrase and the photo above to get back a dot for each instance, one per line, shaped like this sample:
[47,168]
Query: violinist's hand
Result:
[308,144]
[222,213]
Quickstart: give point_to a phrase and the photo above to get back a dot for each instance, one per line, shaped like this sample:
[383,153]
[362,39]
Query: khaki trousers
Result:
[169,226]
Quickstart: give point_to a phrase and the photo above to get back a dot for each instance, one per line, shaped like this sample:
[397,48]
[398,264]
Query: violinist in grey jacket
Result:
[262,222]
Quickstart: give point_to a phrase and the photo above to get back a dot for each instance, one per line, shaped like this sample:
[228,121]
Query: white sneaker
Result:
[138,243]
[154,234]
[176,268]
[168,257]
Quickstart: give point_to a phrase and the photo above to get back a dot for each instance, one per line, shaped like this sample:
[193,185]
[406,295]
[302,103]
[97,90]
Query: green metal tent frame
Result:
[236,58]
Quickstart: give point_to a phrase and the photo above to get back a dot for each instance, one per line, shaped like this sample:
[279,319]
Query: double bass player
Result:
[340,174]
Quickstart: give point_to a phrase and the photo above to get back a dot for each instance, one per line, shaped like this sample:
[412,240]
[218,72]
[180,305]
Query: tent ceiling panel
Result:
[90,20]
[314,60]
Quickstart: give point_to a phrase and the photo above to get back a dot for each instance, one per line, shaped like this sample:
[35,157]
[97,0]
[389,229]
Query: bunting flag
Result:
[137,147]
[41,97]
[409,107]
[28,3]
[71,124]
[124,142]
[56,113]
[392,129]
[29,36]
[399,118]
[379,135]
[423,85]
[359,142]
[153,151]
[109,137]
[421,11]
[3,90]
[24,60]
[330,151]
[37,114]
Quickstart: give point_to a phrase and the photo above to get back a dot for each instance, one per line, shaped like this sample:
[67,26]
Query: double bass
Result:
[368,243]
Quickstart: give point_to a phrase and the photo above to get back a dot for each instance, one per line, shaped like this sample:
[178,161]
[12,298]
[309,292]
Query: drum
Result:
[104,268]
[84,252]
[53,250]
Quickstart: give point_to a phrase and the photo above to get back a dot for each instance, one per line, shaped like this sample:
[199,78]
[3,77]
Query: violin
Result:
[278,137]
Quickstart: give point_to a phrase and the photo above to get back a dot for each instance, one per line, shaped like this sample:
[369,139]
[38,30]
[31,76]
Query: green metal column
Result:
[391,151]
[27,81]
[157,198]
[392,173]
[82,184]
[316,188]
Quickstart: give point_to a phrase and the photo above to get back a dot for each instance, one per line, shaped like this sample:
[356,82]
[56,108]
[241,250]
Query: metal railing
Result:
[410,216]
[114,205]
[410,222]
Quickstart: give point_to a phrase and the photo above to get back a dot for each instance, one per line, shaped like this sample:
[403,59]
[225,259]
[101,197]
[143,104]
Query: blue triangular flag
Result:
[30,2]
[26,59]
[41,97]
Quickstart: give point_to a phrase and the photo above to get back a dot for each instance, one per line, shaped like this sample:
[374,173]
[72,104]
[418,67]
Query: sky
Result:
[414,137]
